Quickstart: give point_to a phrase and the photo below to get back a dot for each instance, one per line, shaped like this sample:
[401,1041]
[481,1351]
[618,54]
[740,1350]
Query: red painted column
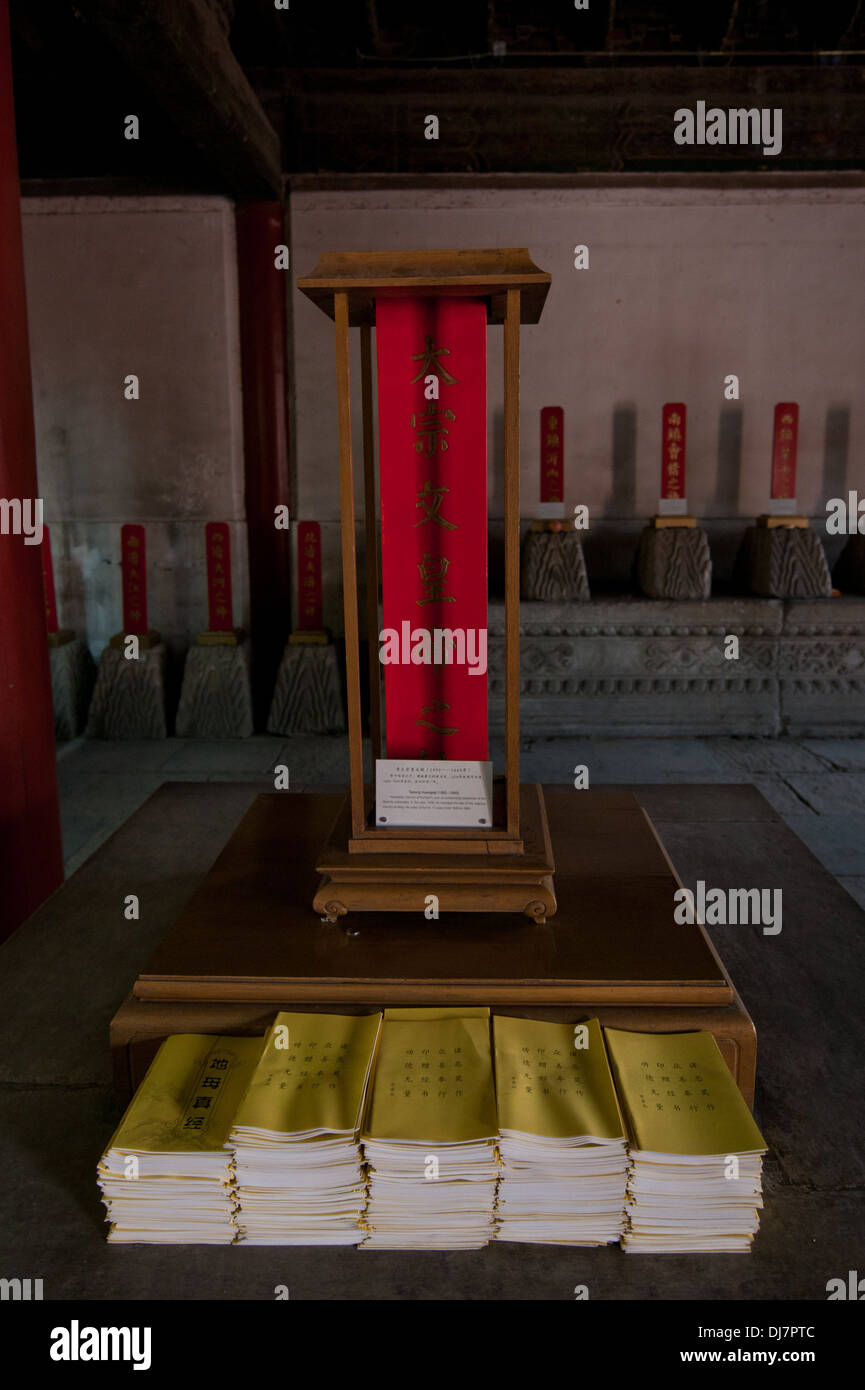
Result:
[263,343]
[31,855]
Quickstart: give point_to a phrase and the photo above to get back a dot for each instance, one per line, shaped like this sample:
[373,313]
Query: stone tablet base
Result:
[129,698]
[553,568]
[849,571]
[673,562]
[216,695]
[72,675]
[784,562]
[308,696]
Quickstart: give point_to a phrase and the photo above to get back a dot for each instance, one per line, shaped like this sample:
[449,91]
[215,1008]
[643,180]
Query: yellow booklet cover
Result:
[678,1094]
[547,1085]
[312,1074]
[187,1100]
[433,1079]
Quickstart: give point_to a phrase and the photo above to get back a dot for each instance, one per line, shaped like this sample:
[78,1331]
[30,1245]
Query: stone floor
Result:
[816,785]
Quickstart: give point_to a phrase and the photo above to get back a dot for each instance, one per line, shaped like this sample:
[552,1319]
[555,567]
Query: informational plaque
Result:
[309,612]
[218,544]
[133,559]
[433,469]
[785,442]
[433,793]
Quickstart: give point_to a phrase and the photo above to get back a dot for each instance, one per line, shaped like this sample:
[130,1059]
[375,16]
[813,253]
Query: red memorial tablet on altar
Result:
[133,561]
[433,467]
[219,606]
[785,443]
[673,431]
[552,454]
[309,609]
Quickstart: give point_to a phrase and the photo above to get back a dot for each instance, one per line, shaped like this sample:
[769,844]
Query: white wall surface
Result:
[145,286]
[685,285]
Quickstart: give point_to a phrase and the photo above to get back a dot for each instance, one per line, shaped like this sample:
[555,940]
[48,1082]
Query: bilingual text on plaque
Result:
[433,793]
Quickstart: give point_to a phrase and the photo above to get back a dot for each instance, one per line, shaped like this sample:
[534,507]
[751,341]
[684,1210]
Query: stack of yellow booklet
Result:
[563,1147]
[430,1132]
[697,1153]
[165,1177]
[295,1137]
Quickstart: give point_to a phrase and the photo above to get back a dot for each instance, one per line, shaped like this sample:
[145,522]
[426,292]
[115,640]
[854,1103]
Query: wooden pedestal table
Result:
[247,944]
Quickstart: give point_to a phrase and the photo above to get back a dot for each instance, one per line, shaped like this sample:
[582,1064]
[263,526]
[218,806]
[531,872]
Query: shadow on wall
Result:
[728,479]
[836,448]
[836,470]
[623,498]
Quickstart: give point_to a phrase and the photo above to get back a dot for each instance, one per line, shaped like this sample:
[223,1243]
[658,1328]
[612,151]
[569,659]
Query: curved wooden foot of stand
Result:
[543,904]
[329,908]
[536,901]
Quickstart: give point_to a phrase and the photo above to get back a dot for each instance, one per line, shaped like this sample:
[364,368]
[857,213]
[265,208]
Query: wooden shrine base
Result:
[662,523]
[138,1028]
[778,519]
[472,874]
[248,942]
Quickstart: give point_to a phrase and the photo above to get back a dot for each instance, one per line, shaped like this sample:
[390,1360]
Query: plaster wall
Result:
[145,286]
[685,285]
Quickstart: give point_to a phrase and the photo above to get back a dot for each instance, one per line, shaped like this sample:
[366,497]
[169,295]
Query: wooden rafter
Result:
[182,54]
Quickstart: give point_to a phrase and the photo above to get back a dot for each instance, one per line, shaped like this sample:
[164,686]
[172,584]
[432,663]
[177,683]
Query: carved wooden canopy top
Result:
[481,274]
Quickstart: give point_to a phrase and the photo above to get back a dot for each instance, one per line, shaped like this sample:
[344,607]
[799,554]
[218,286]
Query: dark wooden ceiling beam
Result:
[372,25]
[182,57]
[561,120]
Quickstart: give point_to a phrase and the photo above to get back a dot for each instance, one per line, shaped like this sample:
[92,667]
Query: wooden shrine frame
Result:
[365,866]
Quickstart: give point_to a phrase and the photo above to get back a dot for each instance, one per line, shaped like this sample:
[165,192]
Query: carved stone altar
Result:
[129,695]
[553,568]
[673,562]
[72,676]
[784,562]
[637,666]
[216,695]
[307,698]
